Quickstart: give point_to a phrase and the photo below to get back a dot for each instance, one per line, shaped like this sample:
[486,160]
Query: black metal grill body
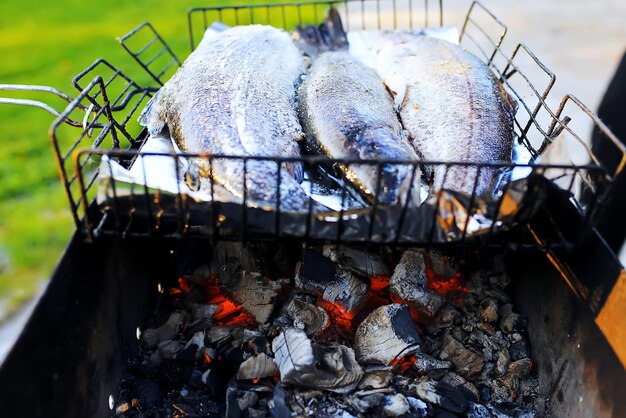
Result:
[73,352]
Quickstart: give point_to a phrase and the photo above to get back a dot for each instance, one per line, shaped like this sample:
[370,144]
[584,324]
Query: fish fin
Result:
[153,115]
[328,36]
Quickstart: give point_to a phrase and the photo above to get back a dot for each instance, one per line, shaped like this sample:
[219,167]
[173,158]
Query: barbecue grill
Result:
[127,238]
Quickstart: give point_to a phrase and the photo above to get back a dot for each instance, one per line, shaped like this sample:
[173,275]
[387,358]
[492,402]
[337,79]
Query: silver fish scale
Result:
[452,106]
[347,113]
[235,95]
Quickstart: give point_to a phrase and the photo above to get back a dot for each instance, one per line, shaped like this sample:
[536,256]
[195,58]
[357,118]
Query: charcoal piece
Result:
[365,403]
[408,285]
[229,256]
[442,394]
[478,411]
[364,263]
[376,379]
[254,293]
[425,364]
[151,337]
[256,367]
[418,407]
[411,268]
[312,319]
[466,362]
[488,310]
[509,410]
[306,364]
[511,321]
[520,368]
[320,276]
[519,350]
[395,405]
[511,382]
[502,361]
[238,401]
[217,334]
[458,382]
[174,373]
[169,349]
[387,334]
[442,265]
[445,317]
[201,311]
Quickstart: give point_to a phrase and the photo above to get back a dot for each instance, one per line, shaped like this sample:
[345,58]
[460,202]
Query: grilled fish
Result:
[235,95]
[451,104]
[346,112]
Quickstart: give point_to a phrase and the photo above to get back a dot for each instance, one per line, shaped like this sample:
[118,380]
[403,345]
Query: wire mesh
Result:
[141,210]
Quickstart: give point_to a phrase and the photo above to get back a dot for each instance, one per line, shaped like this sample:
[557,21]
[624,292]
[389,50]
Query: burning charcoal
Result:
[320,276]
[408,284]
[376,379]
[441,265]
[257,367]
[488,310]
[302,363]
[511,321]
[364,263]
[411,268]
[466,362]
[151,337]
[425,364]
[502,361]
[312,319]
[168,349]
[456,381]
[395,405]
[255,294]
[520,368]
[442,394]
[387,334]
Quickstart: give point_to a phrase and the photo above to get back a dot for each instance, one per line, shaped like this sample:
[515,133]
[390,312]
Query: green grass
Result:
[47,43]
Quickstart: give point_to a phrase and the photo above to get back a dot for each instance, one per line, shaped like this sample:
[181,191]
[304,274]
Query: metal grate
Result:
[140,211]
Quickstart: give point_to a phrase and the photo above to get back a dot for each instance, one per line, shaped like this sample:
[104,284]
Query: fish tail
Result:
[328,36]
[153,115]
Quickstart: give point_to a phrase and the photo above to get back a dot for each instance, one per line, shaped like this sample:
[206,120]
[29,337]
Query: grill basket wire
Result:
[142,212]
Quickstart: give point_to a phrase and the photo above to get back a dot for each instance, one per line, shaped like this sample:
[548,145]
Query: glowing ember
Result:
[337,314]
[207,359]
[403,364]
[379,283]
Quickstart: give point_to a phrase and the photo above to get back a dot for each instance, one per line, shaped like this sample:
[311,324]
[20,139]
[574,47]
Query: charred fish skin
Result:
[346,112]
[453,107]
[235,95]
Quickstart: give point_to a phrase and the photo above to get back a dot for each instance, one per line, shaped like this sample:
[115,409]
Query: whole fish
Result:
[453,107]
[235,95]
[347,113]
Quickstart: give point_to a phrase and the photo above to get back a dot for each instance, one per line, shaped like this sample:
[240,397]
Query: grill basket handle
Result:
[42,105]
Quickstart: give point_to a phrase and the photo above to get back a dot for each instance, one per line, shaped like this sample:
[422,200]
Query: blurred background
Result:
[47,43]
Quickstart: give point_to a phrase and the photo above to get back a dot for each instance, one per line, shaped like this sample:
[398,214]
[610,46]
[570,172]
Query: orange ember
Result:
[379,283]
[453,289]
[207,359]
[403,364]
[338,315]
[183,283]
[255,381]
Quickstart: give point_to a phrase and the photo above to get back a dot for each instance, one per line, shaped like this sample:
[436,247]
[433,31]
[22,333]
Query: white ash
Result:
[387,334]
